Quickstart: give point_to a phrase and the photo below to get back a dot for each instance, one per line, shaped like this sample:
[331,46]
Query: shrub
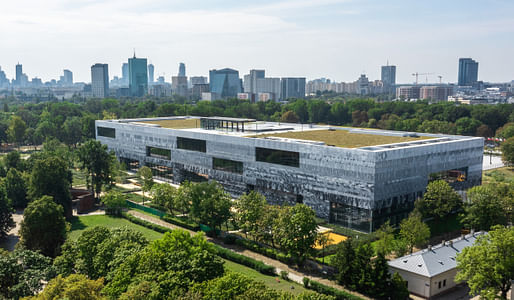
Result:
[246,261]
[327,290]
[284,275]
[306,282]
[229,239]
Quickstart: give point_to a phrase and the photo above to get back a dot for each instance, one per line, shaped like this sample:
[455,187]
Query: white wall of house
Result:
[447,276]
[416,284]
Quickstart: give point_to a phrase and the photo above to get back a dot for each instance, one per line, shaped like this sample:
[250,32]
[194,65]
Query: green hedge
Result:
[328,290]
[244,260]
[182,223]
[269,252]
[144,223]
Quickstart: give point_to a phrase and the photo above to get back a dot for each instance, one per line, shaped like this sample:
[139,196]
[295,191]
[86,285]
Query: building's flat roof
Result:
[435,260]
[344,138]
[183,123]
[228,119]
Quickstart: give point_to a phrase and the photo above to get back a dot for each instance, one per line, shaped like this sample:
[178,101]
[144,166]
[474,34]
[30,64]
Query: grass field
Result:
[176,124]
[505,174]
[269,281]
[342,138]
[79,224]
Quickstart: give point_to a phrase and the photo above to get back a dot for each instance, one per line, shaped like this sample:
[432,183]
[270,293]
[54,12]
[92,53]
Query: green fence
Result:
[149,210]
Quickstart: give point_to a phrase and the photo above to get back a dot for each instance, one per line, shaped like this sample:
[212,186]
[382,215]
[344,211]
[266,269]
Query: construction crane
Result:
[440,79]
[417,74]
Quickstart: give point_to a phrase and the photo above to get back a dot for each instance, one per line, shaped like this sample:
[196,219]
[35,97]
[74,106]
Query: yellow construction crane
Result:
[417,74]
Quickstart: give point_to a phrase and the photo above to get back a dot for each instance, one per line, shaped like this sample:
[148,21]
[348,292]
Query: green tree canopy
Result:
[97,162]
[51,176]
[413,231]
[174,262]
[16,130]
[210,204]
[439,200]
[114,203]
[43,227]
[75,286]
[486,208]
[16,188]
[488,265]
[6,220]
[296,230]
[250,209]
[164,195]
[507,149]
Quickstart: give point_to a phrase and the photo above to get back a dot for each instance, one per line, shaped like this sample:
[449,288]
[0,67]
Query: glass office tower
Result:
[138,76]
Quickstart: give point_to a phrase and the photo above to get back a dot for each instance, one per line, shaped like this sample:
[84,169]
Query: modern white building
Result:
[432,271]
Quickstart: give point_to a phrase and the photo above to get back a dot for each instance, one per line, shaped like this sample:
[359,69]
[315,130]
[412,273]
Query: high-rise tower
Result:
[138,76]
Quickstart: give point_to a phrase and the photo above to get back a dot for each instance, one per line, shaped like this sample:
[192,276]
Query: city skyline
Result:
[327,38]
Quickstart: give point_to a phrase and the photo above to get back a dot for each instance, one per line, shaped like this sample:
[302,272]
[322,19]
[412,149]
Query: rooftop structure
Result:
[432,270]
[355,177]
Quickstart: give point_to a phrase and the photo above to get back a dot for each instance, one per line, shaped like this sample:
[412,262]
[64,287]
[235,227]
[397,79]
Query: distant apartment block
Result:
[256,83]
[100,80]
[179,86]
[436,93]
[292,87]
[151,70]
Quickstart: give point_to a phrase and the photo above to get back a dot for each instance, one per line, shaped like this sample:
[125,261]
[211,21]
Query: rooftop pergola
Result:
[212,123]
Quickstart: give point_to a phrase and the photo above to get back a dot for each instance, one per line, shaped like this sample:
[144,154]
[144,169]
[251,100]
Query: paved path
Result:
[294,274]
[492,162]
[12,238]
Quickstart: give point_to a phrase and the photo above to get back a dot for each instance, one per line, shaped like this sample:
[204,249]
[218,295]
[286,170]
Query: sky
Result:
[336,39]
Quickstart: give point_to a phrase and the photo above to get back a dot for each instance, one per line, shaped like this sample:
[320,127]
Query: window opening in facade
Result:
[227,165]
[106,132]
[130,164]
[158,152]
[280,157]
[350,216]
[450,176]
[191,144]
[299,199]
[161,171]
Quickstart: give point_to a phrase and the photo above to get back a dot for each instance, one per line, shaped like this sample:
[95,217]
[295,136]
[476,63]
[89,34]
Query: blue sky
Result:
[337,39]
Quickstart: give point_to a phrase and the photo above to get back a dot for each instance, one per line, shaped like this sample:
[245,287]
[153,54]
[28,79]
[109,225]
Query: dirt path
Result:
[294,274]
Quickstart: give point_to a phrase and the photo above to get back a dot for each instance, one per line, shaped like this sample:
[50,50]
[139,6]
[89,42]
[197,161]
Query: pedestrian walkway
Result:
[294,274]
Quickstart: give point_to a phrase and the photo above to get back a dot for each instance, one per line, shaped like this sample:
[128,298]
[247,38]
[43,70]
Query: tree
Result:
[16,188]
[6,221]
[250,209]
[145,174]
[485,209]
[23,273]
[289,117]
[16,130]
[507,149]
[13,161]
[164,195]
[413,231]
[75,286]
[97,162]
[210,204]
[484,131]
[385,236]
[174,262]
[467,126]
[265,225]
[72,131]
[488,265]
[439,200]
[43,227]
[182,200]
[114,203]
[296,231]
[51,176]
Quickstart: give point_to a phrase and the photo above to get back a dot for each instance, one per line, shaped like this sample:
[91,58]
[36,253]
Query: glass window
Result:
[444,282]
[158,152]
[106,132]
[191,144]
[280,157]
[227,165]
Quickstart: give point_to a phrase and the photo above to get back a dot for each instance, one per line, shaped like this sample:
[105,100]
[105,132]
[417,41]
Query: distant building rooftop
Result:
[436,259]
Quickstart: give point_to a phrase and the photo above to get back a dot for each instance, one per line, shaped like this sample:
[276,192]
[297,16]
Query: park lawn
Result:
[79,224]
[505,174]
[269,281]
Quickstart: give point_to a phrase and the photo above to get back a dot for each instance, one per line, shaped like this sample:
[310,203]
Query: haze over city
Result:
[326,38]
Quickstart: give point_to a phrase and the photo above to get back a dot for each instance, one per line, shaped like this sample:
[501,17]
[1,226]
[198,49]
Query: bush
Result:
[229,239]
[284,275]
[144,223]
[327,290]
[180,222]
[306,282]
[156,206]
[246,261]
